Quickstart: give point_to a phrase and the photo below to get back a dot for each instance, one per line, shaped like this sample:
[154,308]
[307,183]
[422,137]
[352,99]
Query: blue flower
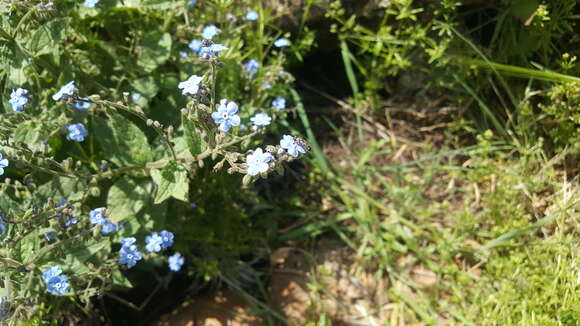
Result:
[183,54]
[192,3]
[211,51]
[77,132]
[2,226]
[90,3]
[281,42]
[175,262]
[195,46]
[72,221]
[129,255]
[251,66]
[65,92]
[128,241]
[135,97]
[252,15]
[3,164]
[52,272]
[108,227]
[4,309]
[226,115]
[261,119]
[258,161]
[167,238]
[56,282]
[209,32]
[154,242]
[229,16]
[81,105]
[49,236]
[191,85]
[279,103]
[18,98]
[98,216]
[290,144]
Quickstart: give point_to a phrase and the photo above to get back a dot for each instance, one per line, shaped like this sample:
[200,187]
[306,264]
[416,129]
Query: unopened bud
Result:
[170,131]
[149,122]
[218,166]
[246,180]
[157,124]
[95,191]
[139,110]
[184,111]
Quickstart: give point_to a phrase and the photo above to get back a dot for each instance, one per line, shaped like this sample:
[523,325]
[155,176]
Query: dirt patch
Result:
[303,285]
[220,309]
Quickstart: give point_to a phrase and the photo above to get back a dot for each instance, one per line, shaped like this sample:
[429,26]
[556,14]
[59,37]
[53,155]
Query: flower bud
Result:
[95,191]
[149,122]
[157,124]
[218,166]
[246,180]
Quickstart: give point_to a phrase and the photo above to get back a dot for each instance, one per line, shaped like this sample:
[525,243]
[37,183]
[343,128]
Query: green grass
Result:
[496,223]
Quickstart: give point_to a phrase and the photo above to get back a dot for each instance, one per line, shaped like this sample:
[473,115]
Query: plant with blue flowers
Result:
[109,138]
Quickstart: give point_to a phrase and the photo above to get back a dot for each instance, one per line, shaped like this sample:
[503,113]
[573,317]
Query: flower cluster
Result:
[155,242]
[259,162]
[56,282]
[77,132]
[129,255]
[159,241]
[18,99]
[98,216]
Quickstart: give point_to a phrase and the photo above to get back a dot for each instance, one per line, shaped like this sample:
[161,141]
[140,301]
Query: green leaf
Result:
[119,280]
[146,86]
[123,141]
[31,133]
[127,197]
[193,137]
[171,181]
[148,220]
[155,50]
[78,256]
[46,38]
[61,188]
